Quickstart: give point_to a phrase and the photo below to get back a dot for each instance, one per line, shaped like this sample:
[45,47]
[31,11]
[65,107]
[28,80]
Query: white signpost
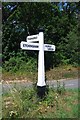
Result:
[31,45]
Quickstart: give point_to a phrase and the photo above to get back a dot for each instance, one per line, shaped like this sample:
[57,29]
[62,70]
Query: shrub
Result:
[18,64]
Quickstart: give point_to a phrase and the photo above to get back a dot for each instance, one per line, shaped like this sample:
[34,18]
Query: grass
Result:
[26,104]
[61,72]
[0,72]
[0,100]
[59,103]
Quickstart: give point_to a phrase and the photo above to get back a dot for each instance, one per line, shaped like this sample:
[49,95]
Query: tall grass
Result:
[26,104]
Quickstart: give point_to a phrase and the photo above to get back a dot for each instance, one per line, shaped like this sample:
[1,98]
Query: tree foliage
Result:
[61,29]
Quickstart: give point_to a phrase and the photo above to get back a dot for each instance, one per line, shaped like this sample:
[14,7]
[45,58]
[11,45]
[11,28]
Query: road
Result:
[67,83]
[6,87]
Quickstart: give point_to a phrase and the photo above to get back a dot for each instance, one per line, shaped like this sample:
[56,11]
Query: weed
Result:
[60,88]
[55,104]
[13,114]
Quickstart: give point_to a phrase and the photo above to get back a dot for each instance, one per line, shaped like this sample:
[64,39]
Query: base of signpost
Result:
[41,91]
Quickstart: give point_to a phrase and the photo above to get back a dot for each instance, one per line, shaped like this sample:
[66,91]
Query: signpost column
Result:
[41,69]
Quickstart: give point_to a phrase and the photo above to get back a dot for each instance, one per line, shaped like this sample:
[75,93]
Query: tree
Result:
[23,19]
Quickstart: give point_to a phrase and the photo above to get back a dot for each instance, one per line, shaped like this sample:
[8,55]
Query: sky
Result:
[62,6]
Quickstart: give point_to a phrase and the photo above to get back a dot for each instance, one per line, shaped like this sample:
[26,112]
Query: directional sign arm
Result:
[35,46]
[49,47]
[29,46]
[33,38]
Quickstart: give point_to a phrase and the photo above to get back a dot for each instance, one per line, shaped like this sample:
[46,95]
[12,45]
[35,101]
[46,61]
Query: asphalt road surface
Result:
[6,87]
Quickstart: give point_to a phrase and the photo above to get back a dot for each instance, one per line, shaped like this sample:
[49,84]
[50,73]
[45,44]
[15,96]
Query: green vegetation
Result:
[60,72]
[0,69]
[58,103]
[18,64]
[61,29]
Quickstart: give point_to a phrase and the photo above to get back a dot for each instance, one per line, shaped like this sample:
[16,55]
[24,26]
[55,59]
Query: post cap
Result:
[41,29]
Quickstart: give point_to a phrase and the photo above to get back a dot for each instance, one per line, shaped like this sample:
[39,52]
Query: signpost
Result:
[41,47]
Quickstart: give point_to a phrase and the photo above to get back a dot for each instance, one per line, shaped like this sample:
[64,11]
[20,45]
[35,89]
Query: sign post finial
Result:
[41,29]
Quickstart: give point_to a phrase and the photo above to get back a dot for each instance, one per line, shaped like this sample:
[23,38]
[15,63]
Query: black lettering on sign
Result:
[33,46]
[48,46]
[32,38]
[50,49]
[24,45]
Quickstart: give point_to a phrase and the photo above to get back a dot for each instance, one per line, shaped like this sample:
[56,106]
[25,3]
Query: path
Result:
[52,83]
